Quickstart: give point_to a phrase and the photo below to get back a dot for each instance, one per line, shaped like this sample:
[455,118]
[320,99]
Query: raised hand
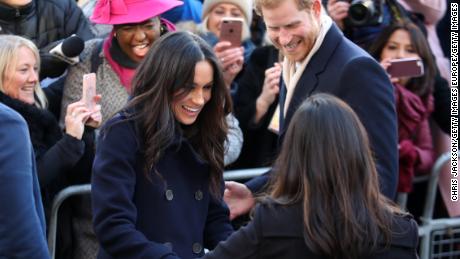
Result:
[385,63]
[338,11]
[231,58]
[270,90]
[76,116]
[239,199]
[95,119]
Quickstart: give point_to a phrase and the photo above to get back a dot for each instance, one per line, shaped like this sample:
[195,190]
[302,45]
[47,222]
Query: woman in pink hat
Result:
[136,26]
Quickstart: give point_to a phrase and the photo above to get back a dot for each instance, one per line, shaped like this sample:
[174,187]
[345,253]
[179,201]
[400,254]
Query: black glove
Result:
[51,66]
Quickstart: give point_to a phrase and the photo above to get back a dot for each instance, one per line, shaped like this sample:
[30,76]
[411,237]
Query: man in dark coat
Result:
[318,58]
[22,231]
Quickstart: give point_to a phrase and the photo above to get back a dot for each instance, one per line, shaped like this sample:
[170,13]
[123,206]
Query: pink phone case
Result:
[89,90]
[231,30]
[406,67]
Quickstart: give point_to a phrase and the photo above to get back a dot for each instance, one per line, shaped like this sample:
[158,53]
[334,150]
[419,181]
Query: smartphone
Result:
[231,30]
[406,67]
[89,90]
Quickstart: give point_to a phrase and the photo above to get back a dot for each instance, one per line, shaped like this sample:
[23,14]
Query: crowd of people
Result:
[314,98]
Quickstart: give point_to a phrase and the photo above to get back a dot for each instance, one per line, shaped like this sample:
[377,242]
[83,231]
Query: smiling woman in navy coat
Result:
[157,181]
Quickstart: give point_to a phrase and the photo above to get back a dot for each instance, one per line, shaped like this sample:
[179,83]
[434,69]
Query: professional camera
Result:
[365,12]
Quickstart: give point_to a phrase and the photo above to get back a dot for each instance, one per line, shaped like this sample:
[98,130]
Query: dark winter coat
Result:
[170,214]
[337,68]
[276,232]
[45,21]
[22,223]
[61,158]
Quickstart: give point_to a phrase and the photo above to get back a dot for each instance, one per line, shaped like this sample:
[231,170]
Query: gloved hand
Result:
[51,66]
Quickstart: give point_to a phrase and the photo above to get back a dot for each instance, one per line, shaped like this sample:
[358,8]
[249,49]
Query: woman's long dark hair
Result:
[326,164]
[421,86]
[169,69]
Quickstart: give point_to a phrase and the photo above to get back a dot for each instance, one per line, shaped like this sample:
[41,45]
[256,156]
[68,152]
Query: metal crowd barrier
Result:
[242,174]
[57,201]
[439,238]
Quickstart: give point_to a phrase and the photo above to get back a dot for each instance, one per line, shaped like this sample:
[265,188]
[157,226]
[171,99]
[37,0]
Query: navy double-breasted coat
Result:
[165,217]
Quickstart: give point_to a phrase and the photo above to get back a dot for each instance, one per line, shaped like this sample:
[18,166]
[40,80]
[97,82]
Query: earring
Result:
[114,34]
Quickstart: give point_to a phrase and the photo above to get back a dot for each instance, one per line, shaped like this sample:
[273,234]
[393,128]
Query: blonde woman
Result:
[60,156]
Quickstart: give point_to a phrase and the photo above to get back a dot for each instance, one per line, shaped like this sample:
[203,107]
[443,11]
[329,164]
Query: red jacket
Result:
[415,143]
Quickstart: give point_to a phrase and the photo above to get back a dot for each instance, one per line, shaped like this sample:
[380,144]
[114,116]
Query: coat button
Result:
[198,195]
[169,195]
[197,248]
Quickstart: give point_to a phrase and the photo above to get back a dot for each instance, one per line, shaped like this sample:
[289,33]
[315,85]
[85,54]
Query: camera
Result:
[365,12]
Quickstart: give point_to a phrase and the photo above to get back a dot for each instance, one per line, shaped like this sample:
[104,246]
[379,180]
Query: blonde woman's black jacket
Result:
[61,159]
[276,232]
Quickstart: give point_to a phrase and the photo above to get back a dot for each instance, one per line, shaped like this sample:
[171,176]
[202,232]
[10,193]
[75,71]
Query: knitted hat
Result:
[245,6]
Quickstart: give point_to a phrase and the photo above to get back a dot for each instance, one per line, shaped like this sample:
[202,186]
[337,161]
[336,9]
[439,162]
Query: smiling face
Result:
[294,34]
[135,39]
[187,107]
[220,11]
[399,45]
[21,79]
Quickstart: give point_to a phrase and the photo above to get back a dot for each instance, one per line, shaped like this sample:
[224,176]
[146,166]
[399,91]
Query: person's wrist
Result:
[261,104]
[228,80]
[74,134]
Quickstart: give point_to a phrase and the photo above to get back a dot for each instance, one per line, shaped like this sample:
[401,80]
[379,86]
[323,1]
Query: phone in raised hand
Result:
[405,67]
[231,30]
[89,90]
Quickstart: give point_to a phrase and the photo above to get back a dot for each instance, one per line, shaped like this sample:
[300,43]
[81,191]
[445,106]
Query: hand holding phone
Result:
[405,67]
[89,90]
[231,30]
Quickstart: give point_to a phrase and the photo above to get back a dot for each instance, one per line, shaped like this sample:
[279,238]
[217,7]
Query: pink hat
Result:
[130,11]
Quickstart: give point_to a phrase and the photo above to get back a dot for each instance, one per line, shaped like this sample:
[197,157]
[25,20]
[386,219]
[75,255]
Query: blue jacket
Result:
[343,69]
[165,217]
[22,223]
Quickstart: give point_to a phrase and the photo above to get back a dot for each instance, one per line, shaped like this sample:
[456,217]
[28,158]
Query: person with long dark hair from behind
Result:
[157,182]
[324,200]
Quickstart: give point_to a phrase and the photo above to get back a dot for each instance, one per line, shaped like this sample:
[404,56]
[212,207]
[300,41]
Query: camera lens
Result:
[358,12]
[361,11]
